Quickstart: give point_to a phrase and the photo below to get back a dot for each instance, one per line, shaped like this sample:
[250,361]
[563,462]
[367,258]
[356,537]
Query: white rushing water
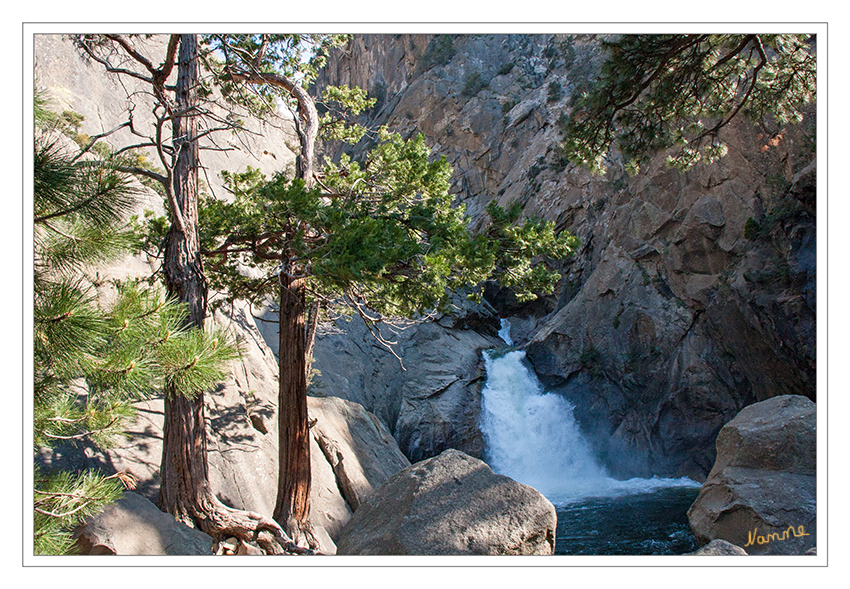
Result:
[533,437]
[505,331]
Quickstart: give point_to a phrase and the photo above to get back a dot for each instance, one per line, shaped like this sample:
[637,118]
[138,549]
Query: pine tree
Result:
[93,360]
[384,238]
[657,92]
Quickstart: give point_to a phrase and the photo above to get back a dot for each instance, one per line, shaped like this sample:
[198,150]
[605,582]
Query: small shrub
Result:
[379,93]
[751,229]
[590,357]
[590,360]
[555,91]
[506,68]
[474,84]
[438,52]
[632,360]
[507,106]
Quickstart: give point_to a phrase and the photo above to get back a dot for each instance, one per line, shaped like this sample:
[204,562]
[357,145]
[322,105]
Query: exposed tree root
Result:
[220,521]
[302,534]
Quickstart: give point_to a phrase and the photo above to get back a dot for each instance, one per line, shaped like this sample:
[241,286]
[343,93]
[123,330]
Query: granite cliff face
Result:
[693,294]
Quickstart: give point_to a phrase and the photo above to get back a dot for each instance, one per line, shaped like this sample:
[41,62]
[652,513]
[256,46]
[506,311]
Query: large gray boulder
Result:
[451,504]
[352,454]
[357,445]
[761,493]
[134,526]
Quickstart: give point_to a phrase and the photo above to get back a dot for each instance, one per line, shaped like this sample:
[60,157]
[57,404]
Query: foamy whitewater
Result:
[532,436]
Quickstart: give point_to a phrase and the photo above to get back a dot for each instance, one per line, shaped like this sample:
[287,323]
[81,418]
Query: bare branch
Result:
[97,138]
[370,322]
[109,67]
[306,107]
[143,172]
[131,51]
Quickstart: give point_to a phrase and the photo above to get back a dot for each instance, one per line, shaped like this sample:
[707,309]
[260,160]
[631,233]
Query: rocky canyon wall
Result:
[692,295]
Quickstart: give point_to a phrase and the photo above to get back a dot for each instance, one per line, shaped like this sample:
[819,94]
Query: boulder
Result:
[719,548]
[761,493]
[352,453]
[135,526]
[451,504]
[359,448]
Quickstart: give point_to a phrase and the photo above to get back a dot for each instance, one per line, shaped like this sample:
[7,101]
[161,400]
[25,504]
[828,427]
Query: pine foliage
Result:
[384,234]
[93,360]
[657,92]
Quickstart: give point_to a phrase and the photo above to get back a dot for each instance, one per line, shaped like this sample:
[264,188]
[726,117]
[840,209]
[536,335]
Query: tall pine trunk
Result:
[184,472]
[292,507]
[185,490]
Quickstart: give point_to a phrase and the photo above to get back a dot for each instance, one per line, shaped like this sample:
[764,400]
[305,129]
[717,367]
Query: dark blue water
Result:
[647,523]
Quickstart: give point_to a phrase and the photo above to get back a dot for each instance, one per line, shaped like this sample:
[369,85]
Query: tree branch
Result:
[143,172]
[81,43]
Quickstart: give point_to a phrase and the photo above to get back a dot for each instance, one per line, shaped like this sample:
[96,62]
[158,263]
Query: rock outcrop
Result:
[133,526]
[719,548]
[692,295]
[360,451]
[451,504]
[761,493]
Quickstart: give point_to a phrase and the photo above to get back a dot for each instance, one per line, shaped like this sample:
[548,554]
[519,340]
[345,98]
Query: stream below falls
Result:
[532,437]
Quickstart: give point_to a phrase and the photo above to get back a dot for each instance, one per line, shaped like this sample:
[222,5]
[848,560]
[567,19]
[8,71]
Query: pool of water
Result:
[655,522]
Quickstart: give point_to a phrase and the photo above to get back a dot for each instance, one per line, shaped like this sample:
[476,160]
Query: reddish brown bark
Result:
[292,507]
[184,470]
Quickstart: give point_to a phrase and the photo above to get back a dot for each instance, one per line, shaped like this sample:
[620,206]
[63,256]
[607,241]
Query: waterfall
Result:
[505,331]
[532,436]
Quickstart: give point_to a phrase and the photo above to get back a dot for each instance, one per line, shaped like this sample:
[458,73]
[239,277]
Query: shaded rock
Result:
[451,504]
[761,493]
[719,548]
[135,526]
[430,399]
